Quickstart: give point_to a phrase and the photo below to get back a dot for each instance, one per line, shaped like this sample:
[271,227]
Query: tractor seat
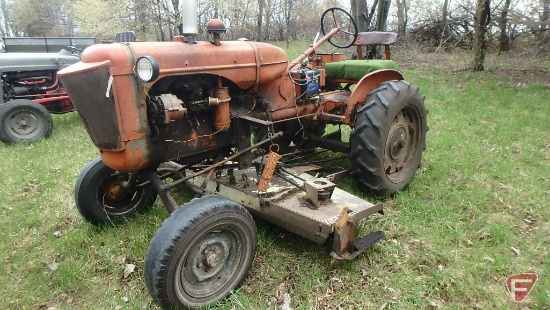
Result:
[375,38]
[357,69]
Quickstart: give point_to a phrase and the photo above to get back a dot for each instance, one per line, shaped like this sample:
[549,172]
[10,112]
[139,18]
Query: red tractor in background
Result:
[30,92]
[30,88]
[231,120]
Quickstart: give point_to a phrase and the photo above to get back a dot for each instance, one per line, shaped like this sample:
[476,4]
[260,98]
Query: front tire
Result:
[101,199]
[388,138]
[200,253]
[24,120]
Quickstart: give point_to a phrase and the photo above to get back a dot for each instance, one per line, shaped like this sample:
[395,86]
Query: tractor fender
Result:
[367,84]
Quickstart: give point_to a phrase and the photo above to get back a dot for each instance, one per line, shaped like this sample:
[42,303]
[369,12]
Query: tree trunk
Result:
[353,10]
[381,25]
[260,20]
[268,19]
[158,20]
[361,17]
[402,18]
[175,22]
[445,14]
[359,13]
[544,29]
[382,17]
[481,21]
[371,13]
[288,14]
[503,39]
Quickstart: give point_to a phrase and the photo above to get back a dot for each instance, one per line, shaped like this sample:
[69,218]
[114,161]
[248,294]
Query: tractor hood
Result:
[245,63]
[10,62]
[111,99]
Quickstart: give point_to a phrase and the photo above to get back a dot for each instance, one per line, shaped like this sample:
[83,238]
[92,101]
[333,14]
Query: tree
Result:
[5,19]
[370,16]
[382,16]
[38,17]
[544,29]
[402,17]
[288,14]
[101,18]
[259,24]
[504,39]
[381,24]
[445,13]
[359,13]
[481,22]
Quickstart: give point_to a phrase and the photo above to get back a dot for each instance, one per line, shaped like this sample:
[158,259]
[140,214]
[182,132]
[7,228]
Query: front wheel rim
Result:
[402,143]
[115,199]
[210,263]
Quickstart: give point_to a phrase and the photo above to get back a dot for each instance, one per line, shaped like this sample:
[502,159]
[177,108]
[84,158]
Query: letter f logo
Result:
[520,285]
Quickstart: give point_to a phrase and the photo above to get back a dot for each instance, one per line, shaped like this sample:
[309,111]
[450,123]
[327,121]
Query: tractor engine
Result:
[18,84]
[191,120]
[144,104]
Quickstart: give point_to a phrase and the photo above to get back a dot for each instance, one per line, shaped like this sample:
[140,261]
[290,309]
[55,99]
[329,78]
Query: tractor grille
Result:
[87,91]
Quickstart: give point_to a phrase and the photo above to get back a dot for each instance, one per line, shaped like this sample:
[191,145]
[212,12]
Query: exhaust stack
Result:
[189,18]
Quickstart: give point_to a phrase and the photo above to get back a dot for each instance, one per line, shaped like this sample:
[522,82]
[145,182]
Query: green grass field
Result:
[476,212]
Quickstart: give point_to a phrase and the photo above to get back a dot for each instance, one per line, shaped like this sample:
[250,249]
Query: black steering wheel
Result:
[336,17]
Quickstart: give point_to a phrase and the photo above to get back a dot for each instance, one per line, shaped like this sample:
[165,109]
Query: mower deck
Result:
[299,202]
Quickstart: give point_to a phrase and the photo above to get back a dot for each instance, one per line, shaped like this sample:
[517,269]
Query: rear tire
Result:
[23,120]
[200,253]
[101,199]
[388,138]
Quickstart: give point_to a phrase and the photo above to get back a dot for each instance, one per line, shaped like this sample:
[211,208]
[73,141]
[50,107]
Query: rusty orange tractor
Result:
[231,120]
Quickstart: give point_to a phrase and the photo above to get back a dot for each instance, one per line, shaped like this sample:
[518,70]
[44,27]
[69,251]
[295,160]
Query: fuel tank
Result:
[111,100]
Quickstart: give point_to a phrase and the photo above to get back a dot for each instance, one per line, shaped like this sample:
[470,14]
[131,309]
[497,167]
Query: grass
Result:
[475,213]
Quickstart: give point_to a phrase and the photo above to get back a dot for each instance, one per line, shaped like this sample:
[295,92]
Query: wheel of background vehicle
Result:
[200,253]
[24,120]
[336,17]
[101,199]
[389,137]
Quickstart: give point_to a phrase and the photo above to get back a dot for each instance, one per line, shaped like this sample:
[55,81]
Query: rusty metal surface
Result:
[222,117]
[335,101]
[367,84]
[344,234]
[323,58]
[233,60]
[359,246]
[311,51]
[245,63]
[286,205]
[186,131]
[318,191]
[87,91]
[269,169]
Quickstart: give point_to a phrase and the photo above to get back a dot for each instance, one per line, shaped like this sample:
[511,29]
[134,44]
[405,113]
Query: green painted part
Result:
[357,69]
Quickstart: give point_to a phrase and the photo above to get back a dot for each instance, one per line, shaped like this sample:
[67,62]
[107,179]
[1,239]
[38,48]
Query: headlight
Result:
[147,68]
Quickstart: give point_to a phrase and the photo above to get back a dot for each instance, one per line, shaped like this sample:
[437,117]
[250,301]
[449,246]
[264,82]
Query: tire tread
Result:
[368,139]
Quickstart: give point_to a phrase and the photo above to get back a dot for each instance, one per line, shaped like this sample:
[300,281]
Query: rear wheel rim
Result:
[23,124]
[402,143]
